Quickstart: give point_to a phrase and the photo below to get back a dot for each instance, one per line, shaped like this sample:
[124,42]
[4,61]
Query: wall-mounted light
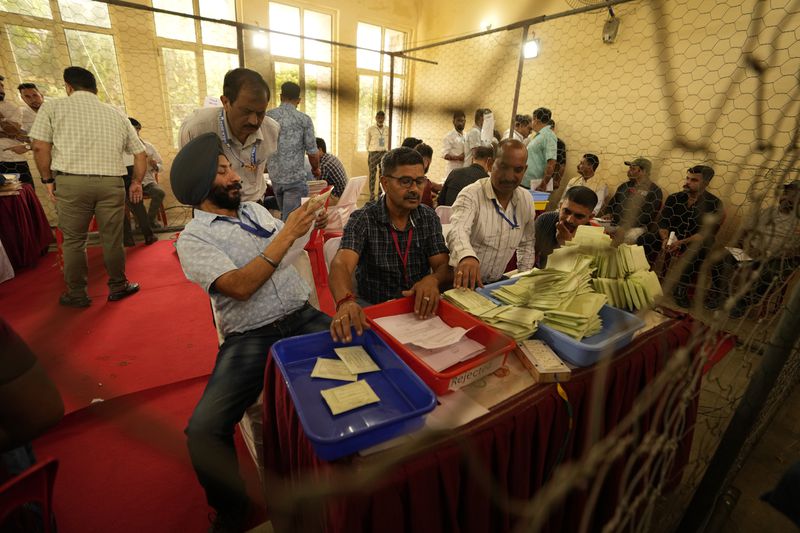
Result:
[486,24]
[530,49]
[260,40]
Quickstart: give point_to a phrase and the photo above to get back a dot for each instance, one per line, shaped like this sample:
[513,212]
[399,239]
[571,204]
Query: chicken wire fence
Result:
[683,84]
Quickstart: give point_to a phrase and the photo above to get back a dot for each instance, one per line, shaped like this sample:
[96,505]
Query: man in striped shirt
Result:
[78,143]
[492,219]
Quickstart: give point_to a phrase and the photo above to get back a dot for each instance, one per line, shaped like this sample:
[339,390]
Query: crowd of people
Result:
[393,246]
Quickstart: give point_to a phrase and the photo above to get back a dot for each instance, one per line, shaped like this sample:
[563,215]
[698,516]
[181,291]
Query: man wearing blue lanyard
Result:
[248,137]
[394,246]
[296,139]
[491,219]
[233,250]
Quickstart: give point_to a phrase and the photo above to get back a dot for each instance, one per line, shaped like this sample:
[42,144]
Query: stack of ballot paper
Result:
[516,322]
[580,318]
[621,273]
[434,342]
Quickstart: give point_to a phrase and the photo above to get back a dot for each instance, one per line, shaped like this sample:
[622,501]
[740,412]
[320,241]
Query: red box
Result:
[497,345]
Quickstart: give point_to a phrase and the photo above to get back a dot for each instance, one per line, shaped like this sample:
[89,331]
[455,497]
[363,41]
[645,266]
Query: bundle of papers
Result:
[580,318]
[434,342]
[637,291]
[516,322]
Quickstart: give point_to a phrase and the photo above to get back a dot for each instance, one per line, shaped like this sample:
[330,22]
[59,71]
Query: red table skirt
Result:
[24,229]
[519,443]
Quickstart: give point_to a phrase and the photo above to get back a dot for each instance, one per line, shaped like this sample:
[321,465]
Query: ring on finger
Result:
[426,298]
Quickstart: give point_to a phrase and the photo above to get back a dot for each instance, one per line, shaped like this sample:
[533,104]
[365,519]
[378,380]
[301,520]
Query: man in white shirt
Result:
[150,182]
[249,138]
[453,146]
[586,170]
[81,141]
[492,219]
[377,141]
[522,129]
[12,140]
[473,138]
[34,99]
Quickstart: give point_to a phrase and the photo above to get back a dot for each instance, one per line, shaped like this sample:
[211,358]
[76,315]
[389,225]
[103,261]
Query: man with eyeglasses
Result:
[394,246]
[555,228]
[493,218]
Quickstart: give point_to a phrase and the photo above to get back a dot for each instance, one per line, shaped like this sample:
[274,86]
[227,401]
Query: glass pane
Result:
[96,52]
[218,34]
[286,19]
[180,73]
[85,12]
[367,107]
[368,36]
[394,41]
[217,65]
[317,25]
[34,53]
[34,8]
[398,117]
[285,72]
[174,26]
[318,99]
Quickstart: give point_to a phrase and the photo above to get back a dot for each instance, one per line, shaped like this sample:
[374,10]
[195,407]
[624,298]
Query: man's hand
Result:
[673,248]
[135,192]
[563,233]
[322,219]
[18,148]
[426,293]
[317,172]
[542,187]
[299,221]
[468,274]
[51,192]
[349,315]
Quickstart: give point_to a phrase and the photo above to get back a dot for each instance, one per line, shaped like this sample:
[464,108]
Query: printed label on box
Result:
[474,374]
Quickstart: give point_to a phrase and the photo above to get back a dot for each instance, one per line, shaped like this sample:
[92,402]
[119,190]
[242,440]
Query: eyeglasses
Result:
[406,181]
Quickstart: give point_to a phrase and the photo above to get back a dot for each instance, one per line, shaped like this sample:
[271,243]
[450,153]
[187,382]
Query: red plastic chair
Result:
[319,268]
[33,485]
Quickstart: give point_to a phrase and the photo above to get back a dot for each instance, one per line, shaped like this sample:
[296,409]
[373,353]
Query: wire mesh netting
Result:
[684,84]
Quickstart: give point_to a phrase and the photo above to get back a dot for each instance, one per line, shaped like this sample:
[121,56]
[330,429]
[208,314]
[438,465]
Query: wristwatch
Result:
[48,180]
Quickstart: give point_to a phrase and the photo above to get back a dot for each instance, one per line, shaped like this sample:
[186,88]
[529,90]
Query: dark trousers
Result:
[138,211]
[234,385]
[773,272]
[17,167]
[373,164]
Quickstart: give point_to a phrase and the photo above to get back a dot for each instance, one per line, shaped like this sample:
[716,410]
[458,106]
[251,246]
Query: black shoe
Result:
[72,301]
[680,297]
[150,239]
[130,288]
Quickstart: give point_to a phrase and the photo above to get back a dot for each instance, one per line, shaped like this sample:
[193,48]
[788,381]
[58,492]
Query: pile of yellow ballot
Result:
[621,273]
[517,322]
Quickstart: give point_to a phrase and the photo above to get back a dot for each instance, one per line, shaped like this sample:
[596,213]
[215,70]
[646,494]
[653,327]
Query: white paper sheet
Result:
[431,333]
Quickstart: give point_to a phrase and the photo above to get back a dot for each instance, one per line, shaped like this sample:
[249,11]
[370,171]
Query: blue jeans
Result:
[288,196]
[234,385]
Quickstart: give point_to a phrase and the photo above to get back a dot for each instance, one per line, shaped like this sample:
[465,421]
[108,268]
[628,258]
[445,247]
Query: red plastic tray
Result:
[497,345]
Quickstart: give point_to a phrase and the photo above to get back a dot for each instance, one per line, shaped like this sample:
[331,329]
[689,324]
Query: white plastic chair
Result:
[339,214]
[329,250]
[444,212]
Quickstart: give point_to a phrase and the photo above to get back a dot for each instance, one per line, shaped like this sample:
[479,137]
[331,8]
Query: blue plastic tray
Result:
[618,329]
[539,196]
[405,399]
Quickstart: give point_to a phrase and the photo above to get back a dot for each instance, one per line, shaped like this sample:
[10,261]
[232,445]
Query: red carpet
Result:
[163,334]
[124,466]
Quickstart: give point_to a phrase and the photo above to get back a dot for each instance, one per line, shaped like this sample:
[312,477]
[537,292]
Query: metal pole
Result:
[520,67]
[240,45]
[391,98]
[741,425]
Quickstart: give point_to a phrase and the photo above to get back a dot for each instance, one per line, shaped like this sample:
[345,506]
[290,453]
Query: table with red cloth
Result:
[24,229]
[520,441]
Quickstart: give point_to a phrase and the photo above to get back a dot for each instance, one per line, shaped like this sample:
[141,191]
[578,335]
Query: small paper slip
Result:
[332,369]
[739,254]
[349,397]
[357,359]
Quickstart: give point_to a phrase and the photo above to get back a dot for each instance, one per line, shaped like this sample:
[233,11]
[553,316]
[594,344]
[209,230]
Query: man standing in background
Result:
[586,169]
[542,153]
[561,158]
[522,129]
[377,141]
[12,140]
[249,138]
[454,144]
[150,184]
[296,139]
[34,99]
[78,143]
[473,137]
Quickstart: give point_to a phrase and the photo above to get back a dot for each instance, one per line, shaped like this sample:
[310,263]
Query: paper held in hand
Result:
[357,360]
[348,397]
[332,369]
[318,201]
